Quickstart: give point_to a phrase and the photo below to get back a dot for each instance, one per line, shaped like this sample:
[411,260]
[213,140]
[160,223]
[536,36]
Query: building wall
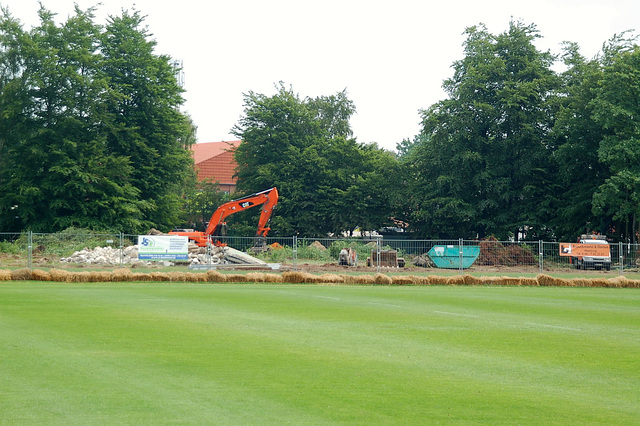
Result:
[219,168]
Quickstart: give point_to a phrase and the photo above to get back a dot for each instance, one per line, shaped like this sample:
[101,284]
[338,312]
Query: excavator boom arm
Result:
[267,198]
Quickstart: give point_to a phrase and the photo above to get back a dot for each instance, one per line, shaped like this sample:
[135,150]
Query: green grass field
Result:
[303,354]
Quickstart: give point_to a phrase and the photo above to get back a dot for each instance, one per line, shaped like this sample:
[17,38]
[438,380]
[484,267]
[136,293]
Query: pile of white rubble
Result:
[104,256]
[129,256]
[221,255]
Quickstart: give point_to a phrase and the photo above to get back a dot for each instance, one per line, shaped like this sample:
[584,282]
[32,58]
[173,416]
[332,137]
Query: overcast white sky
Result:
[391,57]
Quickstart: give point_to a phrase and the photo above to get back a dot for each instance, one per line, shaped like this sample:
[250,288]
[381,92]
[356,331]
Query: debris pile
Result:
[129,256]
[423,261]
[317,245]
[105,256]
[493,252]
[220,255]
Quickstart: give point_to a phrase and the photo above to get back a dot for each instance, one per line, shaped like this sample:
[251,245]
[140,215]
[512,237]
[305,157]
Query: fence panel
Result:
[275,250]
[48,250]
[627,255]
[13,249]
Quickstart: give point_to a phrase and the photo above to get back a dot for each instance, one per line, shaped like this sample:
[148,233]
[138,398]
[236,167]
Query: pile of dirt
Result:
[493,253]
[317,245]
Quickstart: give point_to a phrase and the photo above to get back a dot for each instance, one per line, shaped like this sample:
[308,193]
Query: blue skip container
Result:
[449,256]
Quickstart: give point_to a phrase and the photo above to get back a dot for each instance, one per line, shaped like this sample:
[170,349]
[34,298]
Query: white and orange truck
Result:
[591,251]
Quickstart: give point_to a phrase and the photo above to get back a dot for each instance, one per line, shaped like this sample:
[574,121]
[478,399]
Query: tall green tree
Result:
[577,136]
[617,110]
[328,182]
[145,123]
[56,171]
[482,166]
[65,158]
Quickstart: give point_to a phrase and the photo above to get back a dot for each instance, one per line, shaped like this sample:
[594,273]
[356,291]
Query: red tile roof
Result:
[214,160]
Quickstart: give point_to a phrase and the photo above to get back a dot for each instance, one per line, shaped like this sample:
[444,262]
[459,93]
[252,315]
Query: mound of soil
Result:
[494,253]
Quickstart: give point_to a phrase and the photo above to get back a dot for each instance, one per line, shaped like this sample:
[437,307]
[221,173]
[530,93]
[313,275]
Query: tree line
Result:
[91,135]
[517,150]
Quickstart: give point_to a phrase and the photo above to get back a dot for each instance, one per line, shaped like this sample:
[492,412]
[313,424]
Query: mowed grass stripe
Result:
[286,354]
[137,356]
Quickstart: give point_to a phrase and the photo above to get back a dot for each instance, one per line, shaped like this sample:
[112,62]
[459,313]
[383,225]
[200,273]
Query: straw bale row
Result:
[297,277]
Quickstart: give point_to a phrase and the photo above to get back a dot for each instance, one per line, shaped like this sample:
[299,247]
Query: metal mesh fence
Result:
[53,250]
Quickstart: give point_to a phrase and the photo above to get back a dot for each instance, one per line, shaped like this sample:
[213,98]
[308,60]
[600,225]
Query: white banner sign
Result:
[163,247]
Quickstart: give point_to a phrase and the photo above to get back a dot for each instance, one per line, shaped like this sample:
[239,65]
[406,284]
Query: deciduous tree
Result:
[145,123]
[577,137]
[90,131]
[483,166]
[617,111]
[328,182]
[56,169]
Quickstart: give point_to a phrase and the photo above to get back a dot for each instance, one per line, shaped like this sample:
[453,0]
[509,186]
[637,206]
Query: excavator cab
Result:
[219,236]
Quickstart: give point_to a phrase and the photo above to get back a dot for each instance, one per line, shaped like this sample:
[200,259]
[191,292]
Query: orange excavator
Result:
[217,228]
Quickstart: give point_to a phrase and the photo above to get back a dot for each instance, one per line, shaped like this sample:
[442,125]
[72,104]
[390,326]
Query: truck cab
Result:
[596,253]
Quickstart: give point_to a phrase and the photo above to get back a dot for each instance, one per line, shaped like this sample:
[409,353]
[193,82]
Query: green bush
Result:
[308,251]
[277,255]
[11,248]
